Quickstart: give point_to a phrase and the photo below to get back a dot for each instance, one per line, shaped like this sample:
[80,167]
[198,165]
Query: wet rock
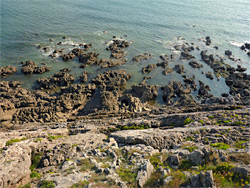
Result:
[167,71]
[186,55]
[133,104]
[208,41]
[111,62]
[89,58]
[164,57]
[118,54]
[84,77]
[7,70]
[163,64]
[240,69]
[145,56]
[30,67]
[61,78]
[68,56]
[191,82]
[204,90]
[209,75]
[195,64]
[179,69]
[228,52]
[117,44]
[145,92]
[148,68]
[173,90]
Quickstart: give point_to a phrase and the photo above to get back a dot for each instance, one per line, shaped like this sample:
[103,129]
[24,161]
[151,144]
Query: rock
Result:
[84,77]
[7,70]
[148,68]
[145,56]
[204,179]
[15,165]
[163,64]
[89,58]
[247,45]
[167,180]
[228,52]
[117,44]
[243,170]
[209,75]
[29,67]
[179,69]
[195,64]
[61,78]
[167,71]
[186,55]
[159,139]
[174,161]
[196,157]
[208,41]
[145,172]
[240,69]
[145,92]
[118,54]
[111,62]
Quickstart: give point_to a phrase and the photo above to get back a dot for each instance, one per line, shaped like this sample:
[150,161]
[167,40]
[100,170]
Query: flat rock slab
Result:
[157,138]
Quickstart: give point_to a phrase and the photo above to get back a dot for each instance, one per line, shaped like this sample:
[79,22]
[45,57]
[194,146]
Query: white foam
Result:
[234,43]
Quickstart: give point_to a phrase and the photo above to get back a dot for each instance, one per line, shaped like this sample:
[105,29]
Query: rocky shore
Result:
[101,133]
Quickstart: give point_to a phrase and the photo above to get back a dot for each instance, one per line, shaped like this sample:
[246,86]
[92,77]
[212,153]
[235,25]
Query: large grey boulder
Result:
[196,157]
[145,172]
[204,179]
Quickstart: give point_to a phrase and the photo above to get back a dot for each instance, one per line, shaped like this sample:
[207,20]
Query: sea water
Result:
[150,26]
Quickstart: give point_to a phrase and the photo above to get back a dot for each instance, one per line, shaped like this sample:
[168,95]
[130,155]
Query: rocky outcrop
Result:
[144,173]
[30,67]
[62,78]
[7,70]
[145,56]
[195,64]
[148,68]
[179,69]
[204,179]
[15,165]
[145,92]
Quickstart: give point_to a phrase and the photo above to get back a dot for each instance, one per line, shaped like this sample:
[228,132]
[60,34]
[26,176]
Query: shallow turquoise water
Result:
[151,26]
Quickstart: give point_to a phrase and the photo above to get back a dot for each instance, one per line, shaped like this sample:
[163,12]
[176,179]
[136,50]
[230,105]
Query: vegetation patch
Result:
[35,161]
[188,120]
[134,127]
[86,165]
[240,158]
[220,145]
[14,140]
[155,180]
[28,185]
[80,184]
[47,184]
[51,137]
[34,174]
[128,174]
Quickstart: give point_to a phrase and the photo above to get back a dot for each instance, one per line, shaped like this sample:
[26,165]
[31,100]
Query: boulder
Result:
[15,165]
[144,173]
[7,70]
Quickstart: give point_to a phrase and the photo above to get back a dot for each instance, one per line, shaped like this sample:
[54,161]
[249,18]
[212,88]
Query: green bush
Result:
[35,161]
[28,185]
[127,174]
[13,140]
[47,184]
[188,120]
[238,144]
[35,175]
[220,145]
